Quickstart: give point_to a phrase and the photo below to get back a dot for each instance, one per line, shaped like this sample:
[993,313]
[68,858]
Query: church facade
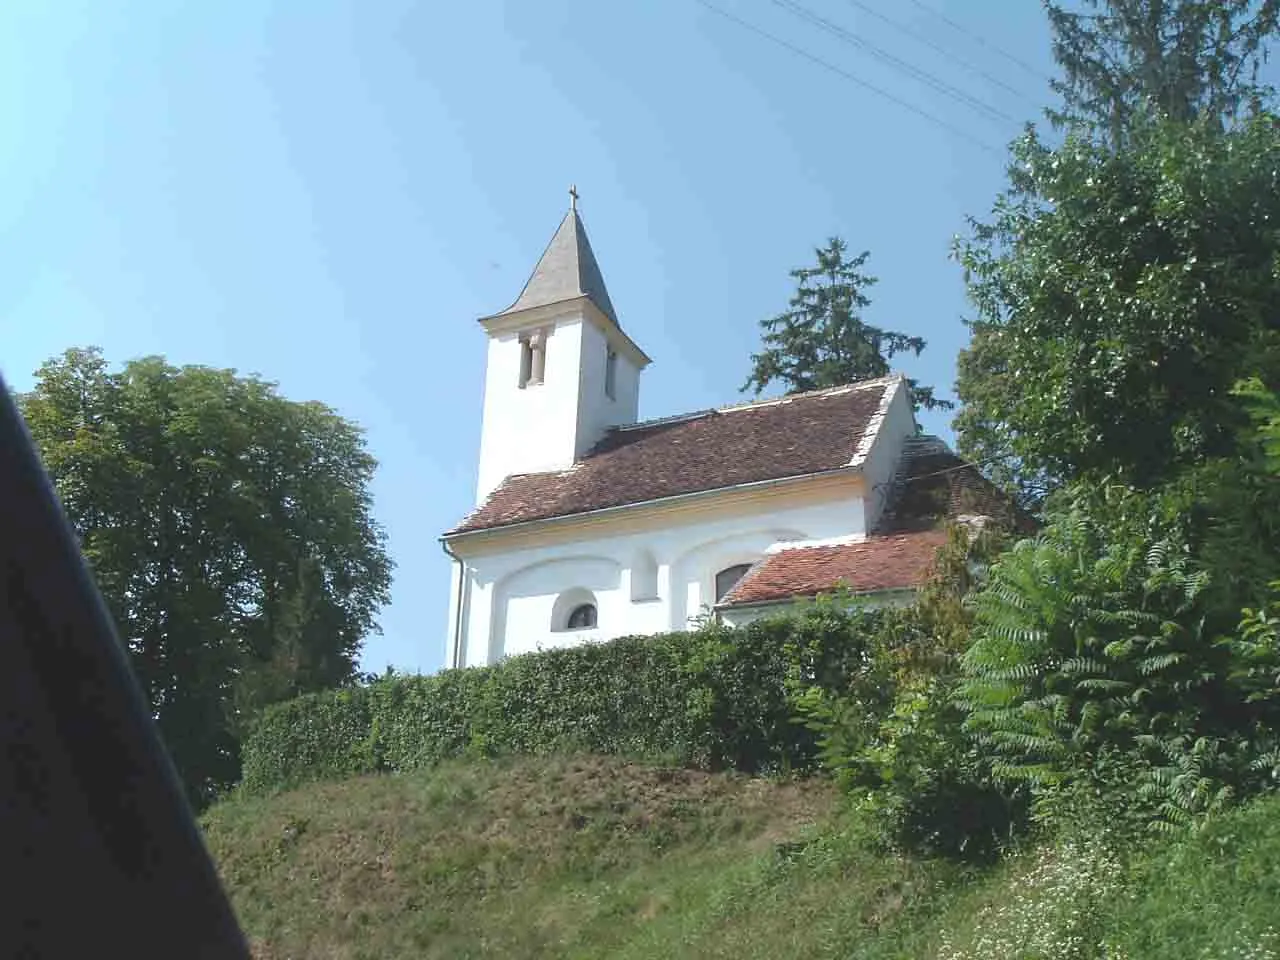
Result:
[591,525]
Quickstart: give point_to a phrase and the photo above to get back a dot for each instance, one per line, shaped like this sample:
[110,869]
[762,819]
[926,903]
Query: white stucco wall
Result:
[531,428]
[880,460]
[509,598]
[596,410]
[547,425]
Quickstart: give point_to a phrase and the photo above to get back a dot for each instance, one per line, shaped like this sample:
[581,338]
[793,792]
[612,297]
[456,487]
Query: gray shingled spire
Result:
[567,270]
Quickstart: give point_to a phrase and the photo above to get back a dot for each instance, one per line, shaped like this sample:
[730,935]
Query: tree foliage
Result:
[1184,60]
[1263,408]
[230,533]
[892,732]
[1118,298]
[822,341]
[1102,658]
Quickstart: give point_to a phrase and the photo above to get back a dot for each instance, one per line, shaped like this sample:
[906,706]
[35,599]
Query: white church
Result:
[590,524]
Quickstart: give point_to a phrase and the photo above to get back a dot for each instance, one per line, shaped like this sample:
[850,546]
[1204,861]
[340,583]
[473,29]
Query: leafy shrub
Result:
[1094,651]
[712,698]
[893,733]
[1263,407]
[1211,893]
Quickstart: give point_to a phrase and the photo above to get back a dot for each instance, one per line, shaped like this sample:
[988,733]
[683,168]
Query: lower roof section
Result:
[890,562]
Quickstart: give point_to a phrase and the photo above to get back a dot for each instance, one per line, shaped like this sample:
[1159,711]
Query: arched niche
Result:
[575,609]
[644,576]
[530,605]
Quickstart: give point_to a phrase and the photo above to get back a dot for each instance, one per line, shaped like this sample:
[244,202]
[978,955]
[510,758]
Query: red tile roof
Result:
[771,440]
[932,487]
[895,561]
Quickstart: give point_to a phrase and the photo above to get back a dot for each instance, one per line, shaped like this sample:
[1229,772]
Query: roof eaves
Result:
[456,533]
[809,595]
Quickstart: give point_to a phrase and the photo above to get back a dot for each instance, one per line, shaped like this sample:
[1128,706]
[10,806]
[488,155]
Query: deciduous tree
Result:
[230,533]
[1119,296]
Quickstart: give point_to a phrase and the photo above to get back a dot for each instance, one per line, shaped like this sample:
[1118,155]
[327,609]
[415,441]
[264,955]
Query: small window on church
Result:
[582,617]
[728,578]
[533,359]
[611,375]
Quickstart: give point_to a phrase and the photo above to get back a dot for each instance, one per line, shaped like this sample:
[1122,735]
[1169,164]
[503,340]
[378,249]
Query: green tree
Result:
[822,341]
[1119,296]
[1184,60]
[229,530]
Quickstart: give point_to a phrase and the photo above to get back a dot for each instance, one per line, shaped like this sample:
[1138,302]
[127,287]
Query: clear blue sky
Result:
[330,192]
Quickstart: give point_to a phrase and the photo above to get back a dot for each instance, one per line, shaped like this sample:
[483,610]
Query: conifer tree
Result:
[1183,60]
[822,341]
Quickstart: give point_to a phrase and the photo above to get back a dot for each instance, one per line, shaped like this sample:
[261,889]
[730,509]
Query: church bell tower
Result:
[560,371]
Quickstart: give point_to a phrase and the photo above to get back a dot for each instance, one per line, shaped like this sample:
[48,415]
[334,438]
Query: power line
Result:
[966,465]
[977,38]
[939,48]
[941,86]
[799,51]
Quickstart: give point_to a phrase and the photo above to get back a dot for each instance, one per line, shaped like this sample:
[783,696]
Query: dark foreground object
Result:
[99,851]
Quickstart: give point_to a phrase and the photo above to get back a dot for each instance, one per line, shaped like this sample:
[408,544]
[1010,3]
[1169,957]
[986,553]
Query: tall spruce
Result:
[1183,60]
[822,340]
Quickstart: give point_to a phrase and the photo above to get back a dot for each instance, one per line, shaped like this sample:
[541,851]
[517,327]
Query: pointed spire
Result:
[567,270]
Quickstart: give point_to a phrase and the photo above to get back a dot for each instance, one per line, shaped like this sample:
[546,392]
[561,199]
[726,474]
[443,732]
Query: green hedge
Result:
[713,698]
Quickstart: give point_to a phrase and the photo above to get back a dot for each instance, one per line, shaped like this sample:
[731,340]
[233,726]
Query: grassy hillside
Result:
[586,856]
[598,857]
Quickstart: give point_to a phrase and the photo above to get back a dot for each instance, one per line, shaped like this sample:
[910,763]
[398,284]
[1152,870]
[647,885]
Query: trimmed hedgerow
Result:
[713,698]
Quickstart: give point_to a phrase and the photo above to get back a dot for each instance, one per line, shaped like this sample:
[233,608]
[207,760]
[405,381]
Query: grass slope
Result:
[599,857]
[542,857]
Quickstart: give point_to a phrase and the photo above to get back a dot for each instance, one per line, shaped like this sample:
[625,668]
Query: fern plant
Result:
[1085,647]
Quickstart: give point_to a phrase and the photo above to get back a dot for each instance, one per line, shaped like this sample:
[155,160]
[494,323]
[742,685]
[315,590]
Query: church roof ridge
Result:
[812,394]
[758,404]
[567,270]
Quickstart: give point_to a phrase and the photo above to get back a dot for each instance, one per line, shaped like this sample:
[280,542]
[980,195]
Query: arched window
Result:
[575,609]
[728,578]
[581,617]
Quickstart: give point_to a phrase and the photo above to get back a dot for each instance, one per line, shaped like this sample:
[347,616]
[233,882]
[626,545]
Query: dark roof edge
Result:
[747,604]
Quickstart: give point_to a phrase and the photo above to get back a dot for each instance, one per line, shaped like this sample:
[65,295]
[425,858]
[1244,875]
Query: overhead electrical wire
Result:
[979,39]
[939,48]
[852,78]
[897,63]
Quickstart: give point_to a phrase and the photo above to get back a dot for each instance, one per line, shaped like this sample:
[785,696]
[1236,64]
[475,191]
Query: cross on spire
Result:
[573,196]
